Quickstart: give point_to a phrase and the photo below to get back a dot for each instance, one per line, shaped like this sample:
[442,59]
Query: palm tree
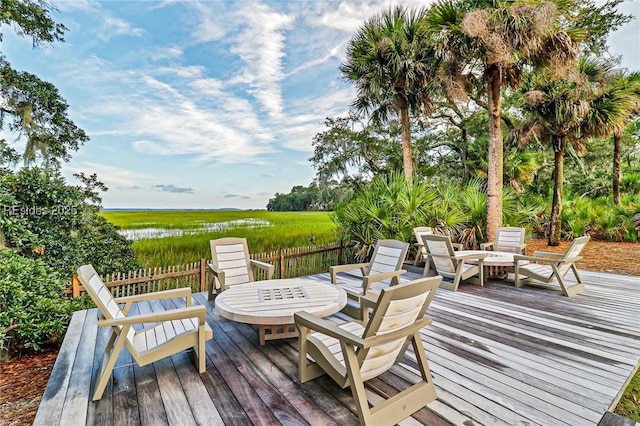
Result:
[496,40]
[391,65]
[613,109]
[570,111]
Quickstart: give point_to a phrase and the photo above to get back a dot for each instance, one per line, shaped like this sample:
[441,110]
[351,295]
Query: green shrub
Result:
[390,207]
[34,310]
[45,218]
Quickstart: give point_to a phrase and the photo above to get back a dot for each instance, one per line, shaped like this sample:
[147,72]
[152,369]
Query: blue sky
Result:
[207,104]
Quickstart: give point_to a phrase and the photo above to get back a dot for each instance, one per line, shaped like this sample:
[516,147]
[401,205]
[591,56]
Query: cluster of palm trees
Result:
[406,62]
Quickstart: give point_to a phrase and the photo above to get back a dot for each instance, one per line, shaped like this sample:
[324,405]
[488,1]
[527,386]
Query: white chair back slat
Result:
[236,280]
[509,239]
[399,313]
[388,256]
[230,249]
[231,256]
[443,265]
[103,298]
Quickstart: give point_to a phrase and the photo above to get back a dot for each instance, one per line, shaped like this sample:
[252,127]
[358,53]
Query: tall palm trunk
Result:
[555,223]
[407,158]
[494,173]
[617,174]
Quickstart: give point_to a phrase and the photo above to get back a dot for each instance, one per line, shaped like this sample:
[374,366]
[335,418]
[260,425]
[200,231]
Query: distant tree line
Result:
[303,198]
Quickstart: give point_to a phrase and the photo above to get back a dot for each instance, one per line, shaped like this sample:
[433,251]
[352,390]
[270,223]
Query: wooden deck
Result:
[499,355]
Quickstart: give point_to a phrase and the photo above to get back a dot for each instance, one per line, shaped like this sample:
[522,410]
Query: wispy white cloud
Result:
[114,176]
[261,46]
[209,20]
[116,26]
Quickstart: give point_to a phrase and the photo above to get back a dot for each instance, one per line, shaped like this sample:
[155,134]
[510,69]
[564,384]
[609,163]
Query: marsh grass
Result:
[629,405]
[285,229]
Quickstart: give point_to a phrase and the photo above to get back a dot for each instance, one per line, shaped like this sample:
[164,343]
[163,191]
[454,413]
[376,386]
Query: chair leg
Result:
[575,272]
[212,285]
[427,266]
[568,290]
[199,350]
[108,362]
[306,370]
[456,280]
[357,385]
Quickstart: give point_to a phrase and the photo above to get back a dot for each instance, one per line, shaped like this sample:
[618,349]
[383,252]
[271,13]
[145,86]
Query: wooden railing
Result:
[288,262]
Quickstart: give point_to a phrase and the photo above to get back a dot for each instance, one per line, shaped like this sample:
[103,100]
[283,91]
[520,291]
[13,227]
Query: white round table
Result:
[496,263]
[271,304]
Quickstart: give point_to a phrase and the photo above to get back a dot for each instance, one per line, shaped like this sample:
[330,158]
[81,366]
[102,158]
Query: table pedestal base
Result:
[272,332]
[495,271]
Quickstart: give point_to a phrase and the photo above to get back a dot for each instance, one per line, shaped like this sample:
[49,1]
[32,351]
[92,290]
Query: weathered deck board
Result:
[499,356]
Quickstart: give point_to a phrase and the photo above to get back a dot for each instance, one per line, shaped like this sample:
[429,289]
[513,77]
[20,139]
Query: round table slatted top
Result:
[492,258]
[273,302]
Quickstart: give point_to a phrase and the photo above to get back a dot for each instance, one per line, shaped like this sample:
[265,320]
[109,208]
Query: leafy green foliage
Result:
[34,310]
[314,197]
[44,217]
[32,19]
[600,218]
[34,109]
[390,207]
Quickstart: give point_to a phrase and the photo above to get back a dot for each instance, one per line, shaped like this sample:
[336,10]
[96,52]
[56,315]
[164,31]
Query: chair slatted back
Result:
[103,299]
[399,308]
[572,252]
[440,245]
[509,239]
[388,256]
[418,232]
[231,255]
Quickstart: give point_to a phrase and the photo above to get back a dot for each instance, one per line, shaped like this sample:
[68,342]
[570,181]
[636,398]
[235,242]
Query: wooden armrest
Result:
[556,260]
[310,321]
[487,246]
[369,300]
[547,254]
[156,295]
[219,274]
[446,256]
[267,267]
[342,268]
[369,279]
[173,314]
[478,256]
[333,270]
[214,269]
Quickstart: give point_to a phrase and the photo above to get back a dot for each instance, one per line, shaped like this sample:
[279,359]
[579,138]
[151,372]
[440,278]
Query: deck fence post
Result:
[203,274]
[281,275]
[340,253]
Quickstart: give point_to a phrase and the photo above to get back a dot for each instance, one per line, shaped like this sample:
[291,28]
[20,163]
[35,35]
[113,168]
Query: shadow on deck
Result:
[498,355]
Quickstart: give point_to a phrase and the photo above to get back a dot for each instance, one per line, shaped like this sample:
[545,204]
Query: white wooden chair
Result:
[450,264]
[175,331]
[422,254]
[231,264]
[384,267]
[508,239]
[545,267]
[354,352]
